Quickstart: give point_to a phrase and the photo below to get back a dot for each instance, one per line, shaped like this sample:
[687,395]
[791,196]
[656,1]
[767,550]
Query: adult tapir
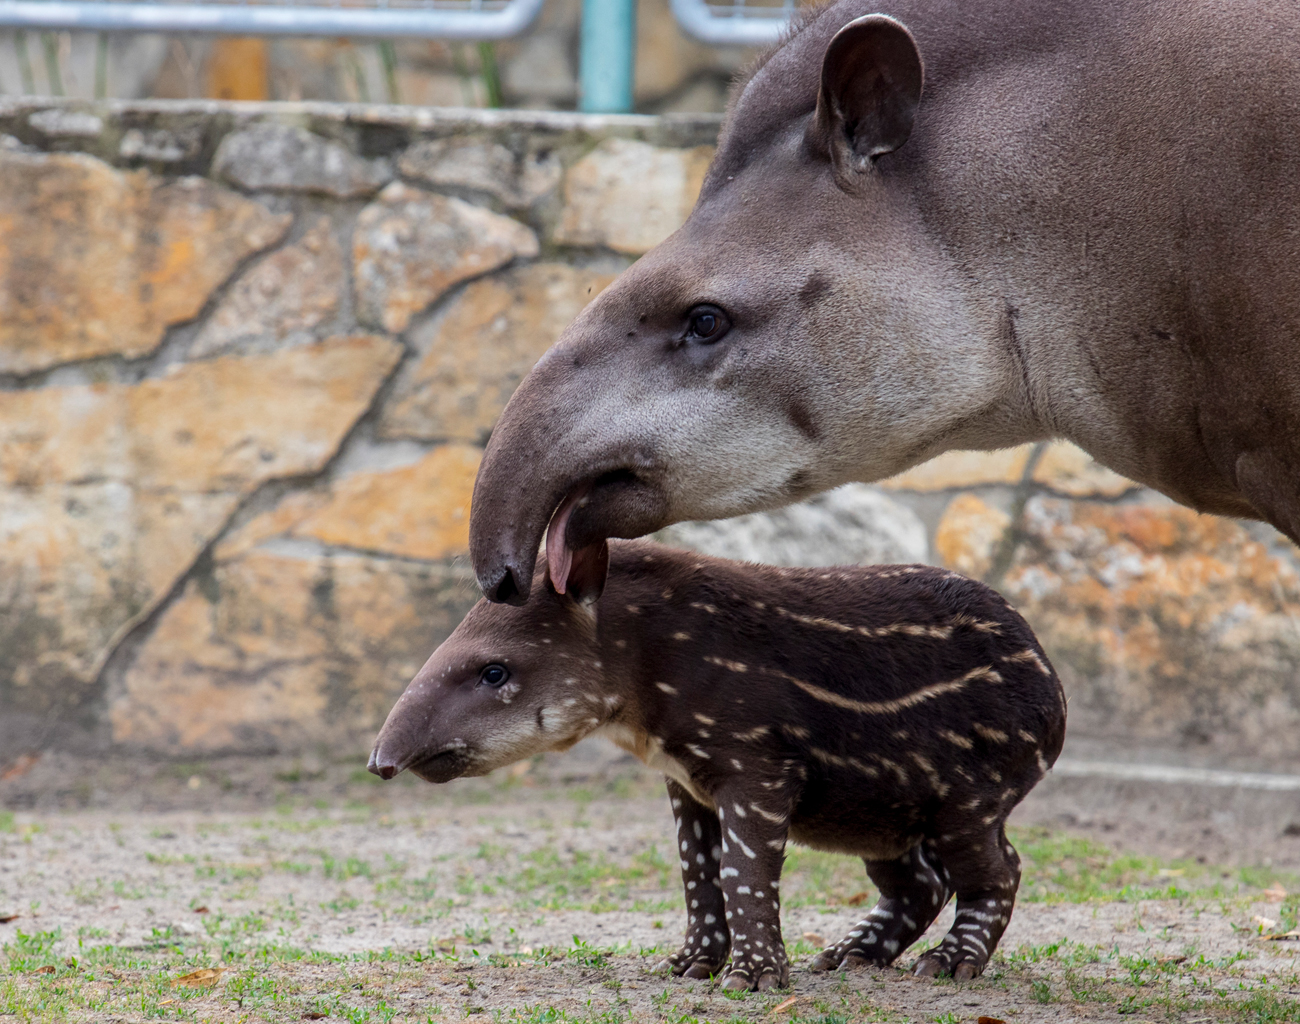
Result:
[958,224]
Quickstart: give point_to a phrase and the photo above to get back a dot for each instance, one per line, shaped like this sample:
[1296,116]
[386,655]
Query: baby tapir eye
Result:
[494,675]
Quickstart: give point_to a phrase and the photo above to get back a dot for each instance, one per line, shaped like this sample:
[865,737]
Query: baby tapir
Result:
[896,713]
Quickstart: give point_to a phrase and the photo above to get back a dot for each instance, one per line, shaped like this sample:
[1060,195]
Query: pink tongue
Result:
[559,556]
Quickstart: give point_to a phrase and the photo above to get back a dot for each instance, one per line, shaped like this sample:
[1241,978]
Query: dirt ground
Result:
[306,887]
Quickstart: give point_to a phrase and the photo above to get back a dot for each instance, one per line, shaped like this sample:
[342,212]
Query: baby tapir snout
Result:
[508,683]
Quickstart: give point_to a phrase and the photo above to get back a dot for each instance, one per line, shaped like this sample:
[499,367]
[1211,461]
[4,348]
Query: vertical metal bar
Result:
[25,63]
[388,54]
[101,66]
[53,75]
[487,63]
[607,56]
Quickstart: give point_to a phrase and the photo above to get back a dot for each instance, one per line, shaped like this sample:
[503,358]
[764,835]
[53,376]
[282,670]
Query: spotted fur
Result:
[893,713]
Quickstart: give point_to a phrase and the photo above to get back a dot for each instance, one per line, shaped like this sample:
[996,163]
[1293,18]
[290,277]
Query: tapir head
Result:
[508,683]
[782,342]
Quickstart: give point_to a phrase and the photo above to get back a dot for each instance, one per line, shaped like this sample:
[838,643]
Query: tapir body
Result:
[966,224]
[895,713]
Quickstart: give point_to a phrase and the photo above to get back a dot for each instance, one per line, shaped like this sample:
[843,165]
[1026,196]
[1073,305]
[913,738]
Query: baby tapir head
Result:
[508,683]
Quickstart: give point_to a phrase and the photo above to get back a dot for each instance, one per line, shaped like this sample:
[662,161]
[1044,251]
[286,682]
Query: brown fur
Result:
[895,713]
[1092,232]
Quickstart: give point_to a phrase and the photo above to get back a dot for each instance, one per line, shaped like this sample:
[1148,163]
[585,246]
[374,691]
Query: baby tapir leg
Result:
[753,850]
[985,874]
[914,889]
[699,844]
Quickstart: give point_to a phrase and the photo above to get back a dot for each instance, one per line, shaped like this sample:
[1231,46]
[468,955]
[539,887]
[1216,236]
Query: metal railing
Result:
[357,19]
[739,23]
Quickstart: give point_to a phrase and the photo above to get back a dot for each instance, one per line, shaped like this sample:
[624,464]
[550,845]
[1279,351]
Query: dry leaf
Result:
[991,1020]
[166,1002]
[6,918]
[47,969]
[1282,936]
[1171,873]
[201,978]
[1274,893]
[814,938]
[1265,923]
[20,767]
[783,1006]
[201,910]
[314,1015]
[1170,959]
[857,899]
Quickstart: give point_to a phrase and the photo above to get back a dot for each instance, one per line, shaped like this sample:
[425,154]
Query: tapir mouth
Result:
[621,502]
[440,766]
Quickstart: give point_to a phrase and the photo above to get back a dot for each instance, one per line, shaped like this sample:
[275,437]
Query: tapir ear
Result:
[870,90]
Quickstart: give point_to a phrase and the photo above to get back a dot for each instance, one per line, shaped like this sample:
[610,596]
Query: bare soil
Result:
[551,892]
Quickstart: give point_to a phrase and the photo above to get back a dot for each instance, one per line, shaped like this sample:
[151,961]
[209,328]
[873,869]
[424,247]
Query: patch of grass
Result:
[547,879]
[1058,868]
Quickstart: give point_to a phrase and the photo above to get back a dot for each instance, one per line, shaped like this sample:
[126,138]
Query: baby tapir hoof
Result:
[757,977]
[965,950]
[934,967]
[692,963]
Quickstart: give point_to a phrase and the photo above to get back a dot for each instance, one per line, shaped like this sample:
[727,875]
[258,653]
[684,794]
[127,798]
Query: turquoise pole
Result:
[607,56]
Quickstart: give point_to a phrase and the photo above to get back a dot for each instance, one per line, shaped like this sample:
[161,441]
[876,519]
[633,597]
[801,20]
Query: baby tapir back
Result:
[897,713]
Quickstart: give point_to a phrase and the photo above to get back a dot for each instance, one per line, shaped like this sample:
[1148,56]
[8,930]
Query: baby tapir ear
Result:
[578,572]
[870,90]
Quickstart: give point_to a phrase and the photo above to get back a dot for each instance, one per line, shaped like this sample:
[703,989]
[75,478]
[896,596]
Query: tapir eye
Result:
[494,675]
[706,324]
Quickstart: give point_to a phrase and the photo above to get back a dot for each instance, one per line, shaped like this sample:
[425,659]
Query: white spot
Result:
[704,719]
[667,689]
[739,842]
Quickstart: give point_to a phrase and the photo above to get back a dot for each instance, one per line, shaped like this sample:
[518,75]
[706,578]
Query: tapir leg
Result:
[985,874]
[913,890]
[699,844]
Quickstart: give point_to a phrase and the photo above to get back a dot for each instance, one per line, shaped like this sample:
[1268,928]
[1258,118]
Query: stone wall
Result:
[249,355]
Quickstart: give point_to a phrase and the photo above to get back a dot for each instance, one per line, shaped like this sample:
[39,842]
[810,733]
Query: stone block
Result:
[1164,624]
[96,261]
[108,493]
[418,511]
[1063,467]
[852,525]
[517,179]
[284,158]
[968,535]
[629,196]
[62,123]
[410,246]
[474,356]
[275,651]
[277,302]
